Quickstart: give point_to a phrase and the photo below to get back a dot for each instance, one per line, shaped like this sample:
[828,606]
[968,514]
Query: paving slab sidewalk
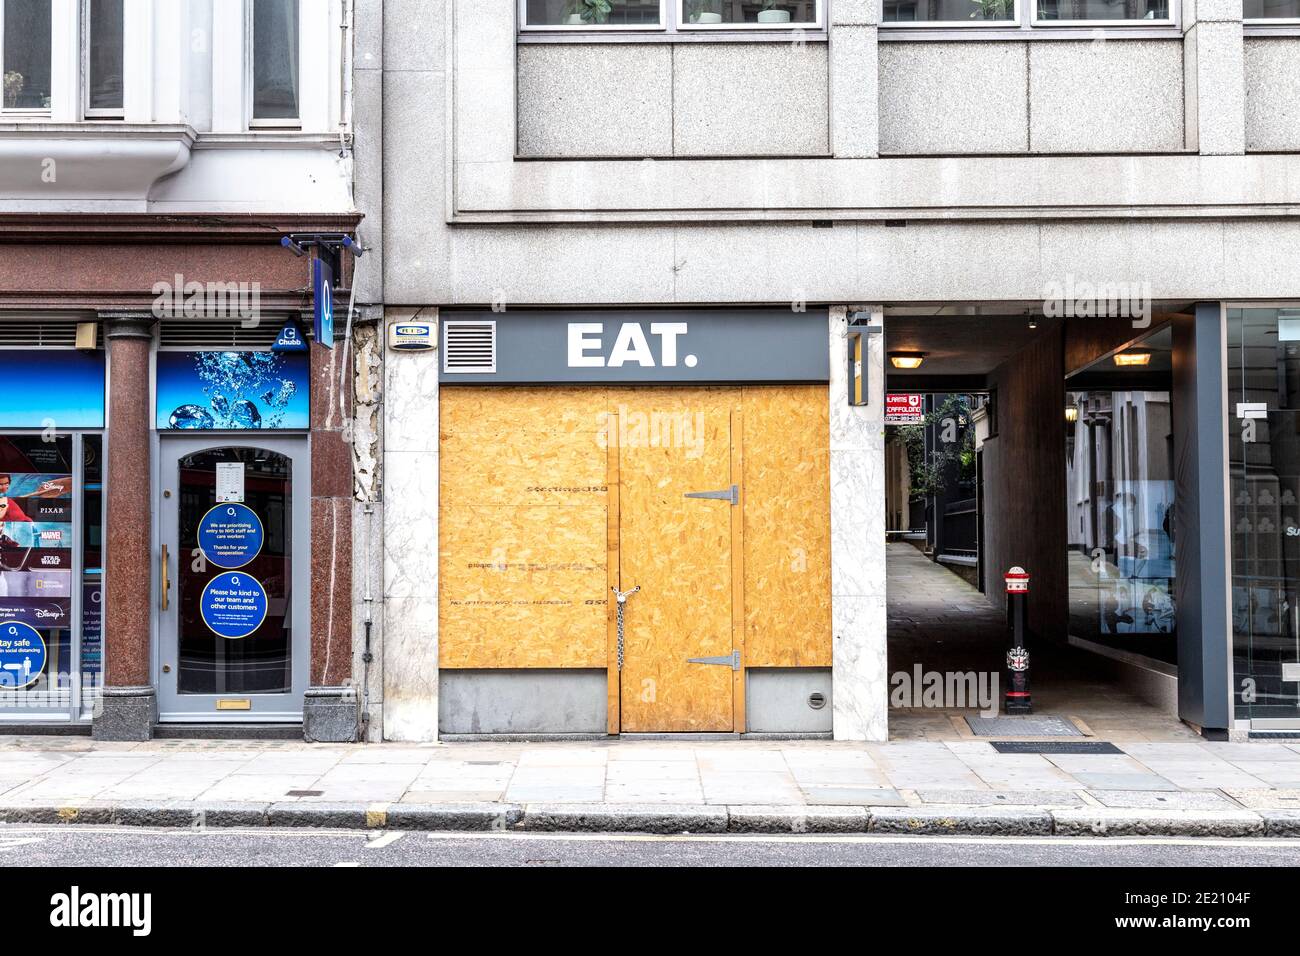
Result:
[816,786]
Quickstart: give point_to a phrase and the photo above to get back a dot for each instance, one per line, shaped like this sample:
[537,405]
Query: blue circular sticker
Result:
[230,535]
[22,655]
[233,605]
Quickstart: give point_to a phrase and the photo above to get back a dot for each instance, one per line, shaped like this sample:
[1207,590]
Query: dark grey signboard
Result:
[633,346]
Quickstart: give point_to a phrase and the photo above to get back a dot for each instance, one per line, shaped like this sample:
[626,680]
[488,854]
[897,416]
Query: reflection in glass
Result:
[104,56]
[1120,507]
[260,663]
[25,57]
[769,12]
[275,59]
[949,11]
[1103,9]
[1271,9]
[1264,470]
[592,14]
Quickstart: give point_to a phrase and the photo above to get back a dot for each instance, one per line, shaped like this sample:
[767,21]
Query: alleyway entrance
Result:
[944,625]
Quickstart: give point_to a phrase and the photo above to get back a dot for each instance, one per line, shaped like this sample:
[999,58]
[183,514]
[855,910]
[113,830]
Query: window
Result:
[1026,14]
[669,16]
[103,64]
[949,11]
[1271,9]
[275,62]
[26,45]
[1106,11]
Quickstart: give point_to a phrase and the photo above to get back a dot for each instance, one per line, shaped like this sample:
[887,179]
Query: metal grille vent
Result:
[218,335]
[38,334]
[469,346]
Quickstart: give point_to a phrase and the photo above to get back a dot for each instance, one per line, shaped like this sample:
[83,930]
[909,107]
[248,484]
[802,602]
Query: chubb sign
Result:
[647,345]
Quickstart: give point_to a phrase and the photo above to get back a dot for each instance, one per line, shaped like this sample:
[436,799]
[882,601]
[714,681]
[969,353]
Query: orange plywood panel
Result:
[787,526]
[523,534]
[679,551]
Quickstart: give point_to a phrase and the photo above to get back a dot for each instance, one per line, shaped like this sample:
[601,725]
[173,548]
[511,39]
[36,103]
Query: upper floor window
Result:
[103,60]
[669,16]
[1028,13]
[1271,9]
[26,44]
[275,60]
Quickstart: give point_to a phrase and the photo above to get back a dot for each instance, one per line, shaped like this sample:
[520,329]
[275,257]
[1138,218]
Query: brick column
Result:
[129,704]
[330,710]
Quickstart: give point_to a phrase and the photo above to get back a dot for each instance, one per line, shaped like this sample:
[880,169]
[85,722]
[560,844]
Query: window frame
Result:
[1028,23]
[268,123]
[102,112]
[1269,21]
[33,112]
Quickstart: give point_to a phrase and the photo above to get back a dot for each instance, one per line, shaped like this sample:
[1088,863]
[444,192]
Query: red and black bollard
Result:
[1017,699]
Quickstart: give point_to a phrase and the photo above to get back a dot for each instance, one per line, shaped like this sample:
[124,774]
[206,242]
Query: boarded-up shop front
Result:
[687,471]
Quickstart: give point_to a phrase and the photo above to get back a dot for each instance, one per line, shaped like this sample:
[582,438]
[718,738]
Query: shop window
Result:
[26,46]
[1120,498]
[103,58]
[1264,510]
[275,62]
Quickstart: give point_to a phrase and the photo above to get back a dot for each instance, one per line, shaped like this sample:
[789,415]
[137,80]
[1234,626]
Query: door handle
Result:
[164,579]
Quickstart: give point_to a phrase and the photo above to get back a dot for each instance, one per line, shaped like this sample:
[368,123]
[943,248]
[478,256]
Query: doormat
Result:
[1027,726]
[1054,747]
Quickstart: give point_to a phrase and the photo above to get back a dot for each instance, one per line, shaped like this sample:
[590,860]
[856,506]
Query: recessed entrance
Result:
[233,636]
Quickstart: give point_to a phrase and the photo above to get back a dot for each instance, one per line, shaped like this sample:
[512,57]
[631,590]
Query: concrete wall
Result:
[1272,93]
[664,99]
[1013,97]
[1024,482]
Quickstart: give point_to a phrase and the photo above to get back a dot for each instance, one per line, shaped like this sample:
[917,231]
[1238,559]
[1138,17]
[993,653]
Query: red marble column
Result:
[330,710]
[129,701]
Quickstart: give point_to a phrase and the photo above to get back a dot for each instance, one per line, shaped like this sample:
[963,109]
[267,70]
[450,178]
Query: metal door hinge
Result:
[731,660]
[731,494]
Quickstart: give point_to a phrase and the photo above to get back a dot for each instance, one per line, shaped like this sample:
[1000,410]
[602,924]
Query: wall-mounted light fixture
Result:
[906,359]
[1125,359]
[1071,413]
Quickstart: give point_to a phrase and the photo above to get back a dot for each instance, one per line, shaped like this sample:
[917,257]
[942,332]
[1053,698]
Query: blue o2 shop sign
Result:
[233,605]
[22,655]
[230,535]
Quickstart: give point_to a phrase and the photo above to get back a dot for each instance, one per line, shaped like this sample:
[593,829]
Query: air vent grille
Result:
[218,335]
[37,334]
[469,346]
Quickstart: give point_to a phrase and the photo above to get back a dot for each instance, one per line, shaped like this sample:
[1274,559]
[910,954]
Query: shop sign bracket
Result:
[731,494]
[731,660]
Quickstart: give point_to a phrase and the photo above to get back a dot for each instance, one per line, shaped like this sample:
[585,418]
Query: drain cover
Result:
[1054,747]
[1023,727]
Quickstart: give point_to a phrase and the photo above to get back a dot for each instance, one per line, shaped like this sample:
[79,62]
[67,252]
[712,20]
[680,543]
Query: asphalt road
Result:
[131,846]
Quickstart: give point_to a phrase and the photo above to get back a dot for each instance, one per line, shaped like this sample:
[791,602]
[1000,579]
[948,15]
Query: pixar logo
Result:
[631,346]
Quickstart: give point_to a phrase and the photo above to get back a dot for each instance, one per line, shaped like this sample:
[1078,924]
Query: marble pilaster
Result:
[857,475]
[410,633]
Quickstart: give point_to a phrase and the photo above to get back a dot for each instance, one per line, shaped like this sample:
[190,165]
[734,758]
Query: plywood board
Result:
[679,551]
[787,526]
[522,528]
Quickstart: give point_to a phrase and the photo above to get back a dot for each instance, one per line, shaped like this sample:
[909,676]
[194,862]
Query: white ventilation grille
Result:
[37,334]
[469,346]
[218,335]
